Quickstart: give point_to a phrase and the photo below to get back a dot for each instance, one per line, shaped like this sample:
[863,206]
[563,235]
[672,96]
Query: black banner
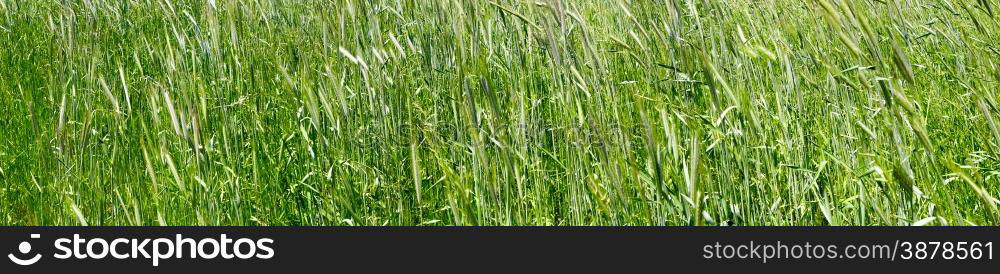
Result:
[474,249]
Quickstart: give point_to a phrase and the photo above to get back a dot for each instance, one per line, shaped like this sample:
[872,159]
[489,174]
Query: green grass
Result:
[500,112]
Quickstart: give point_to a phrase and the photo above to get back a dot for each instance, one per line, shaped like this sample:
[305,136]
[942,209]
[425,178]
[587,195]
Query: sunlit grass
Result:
[499,112]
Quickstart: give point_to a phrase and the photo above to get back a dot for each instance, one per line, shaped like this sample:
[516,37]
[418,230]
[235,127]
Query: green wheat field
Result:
[499,112]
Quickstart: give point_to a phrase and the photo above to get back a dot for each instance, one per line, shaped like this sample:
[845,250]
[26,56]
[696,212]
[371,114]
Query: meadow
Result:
[499,112]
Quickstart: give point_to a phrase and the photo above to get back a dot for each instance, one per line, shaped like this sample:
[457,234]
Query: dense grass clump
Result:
[499,112]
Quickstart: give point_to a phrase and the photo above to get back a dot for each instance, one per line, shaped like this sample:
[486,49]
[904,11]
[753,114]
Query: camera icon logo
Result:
[25,248]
